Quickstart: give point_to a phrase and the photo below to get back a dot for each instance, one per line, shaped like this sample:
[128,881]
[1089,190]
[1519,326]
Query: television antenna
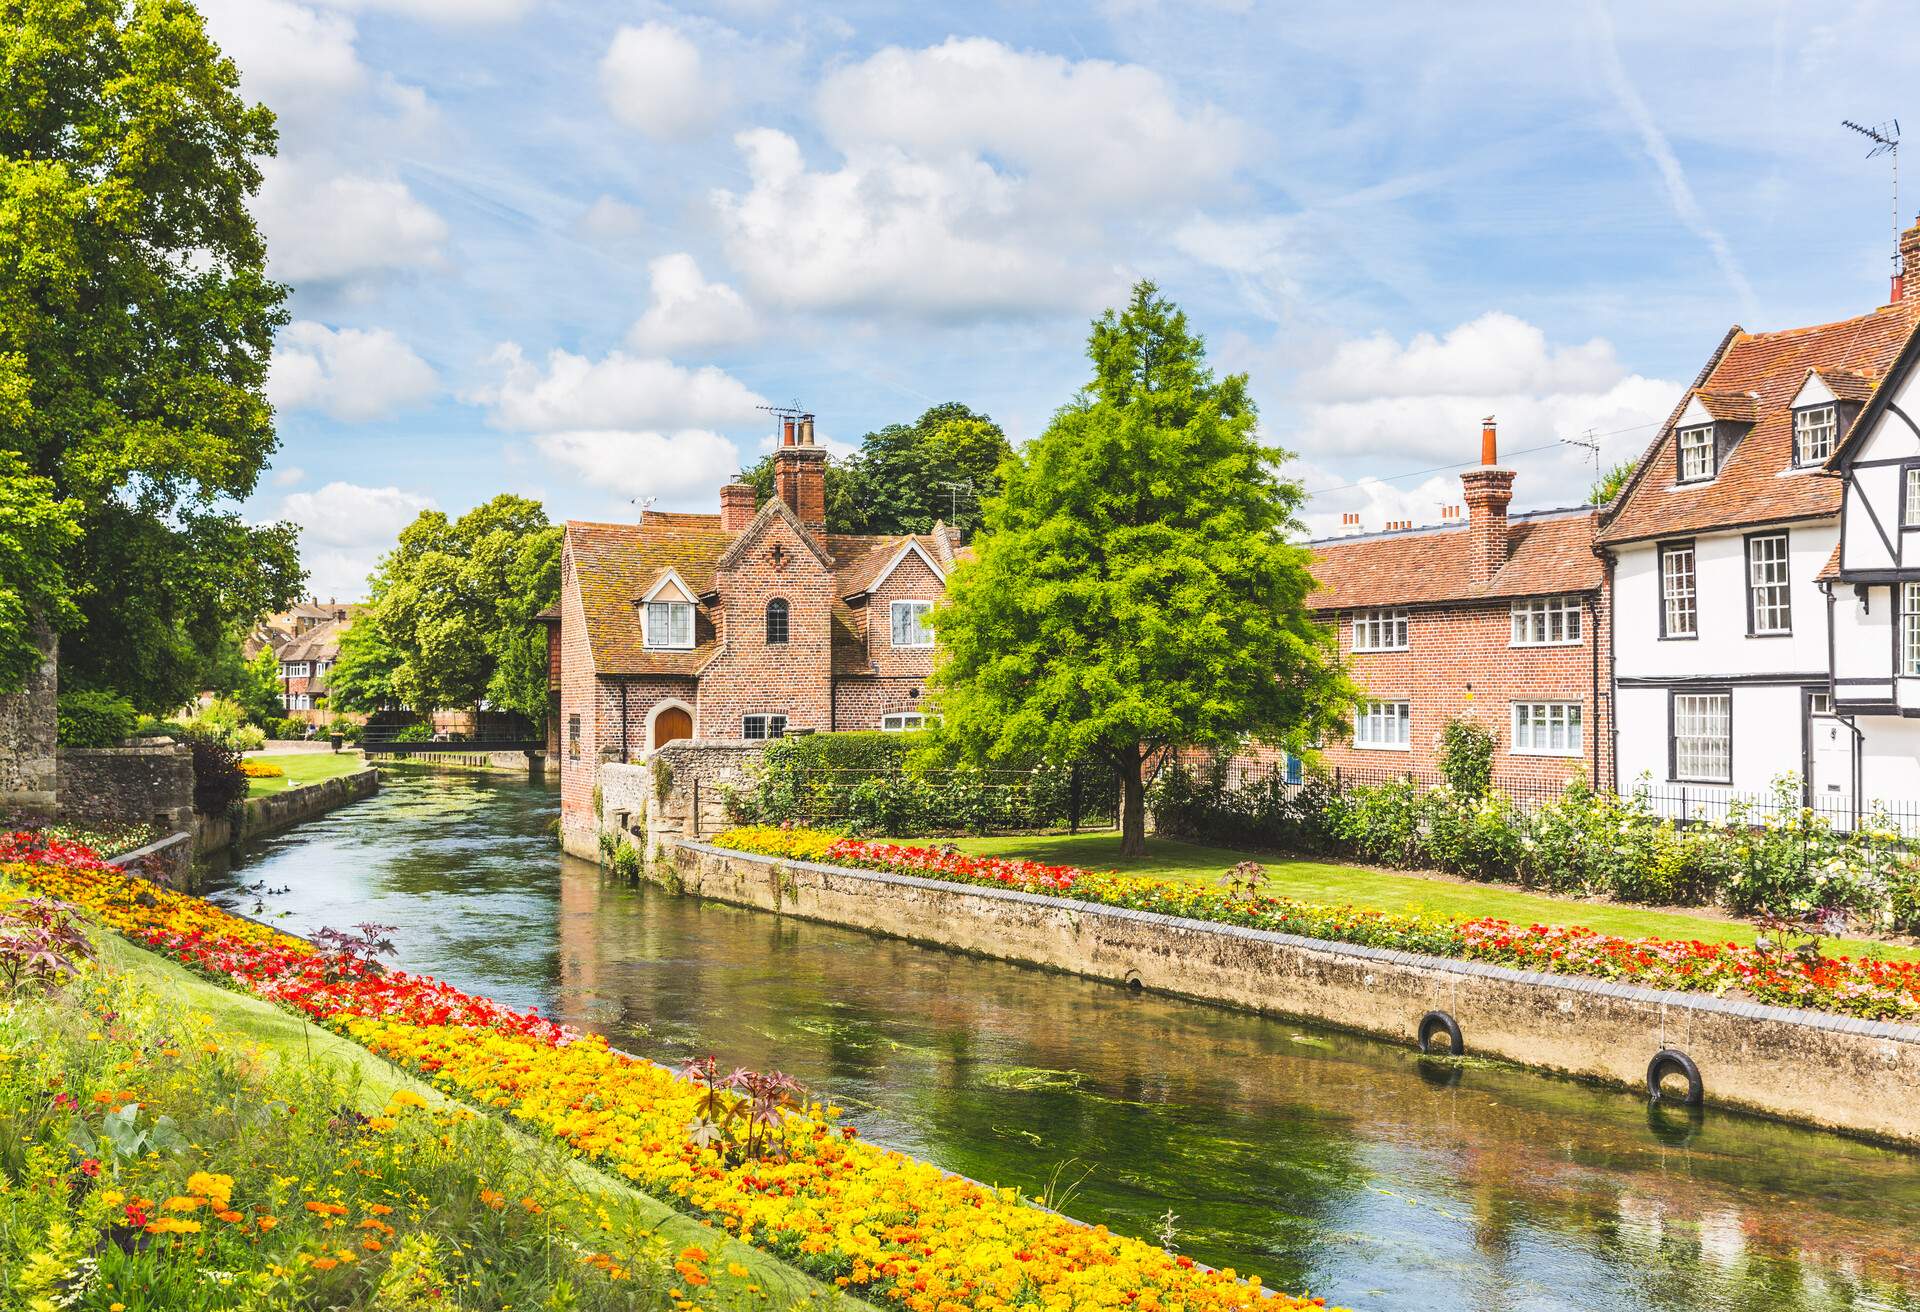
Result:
[1590,443]
[1886,141]
[954,489]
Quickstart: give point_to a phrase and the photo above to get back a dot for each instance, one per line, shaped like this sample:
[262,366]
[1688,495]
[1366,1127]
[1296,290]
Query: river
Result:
[1322,1161]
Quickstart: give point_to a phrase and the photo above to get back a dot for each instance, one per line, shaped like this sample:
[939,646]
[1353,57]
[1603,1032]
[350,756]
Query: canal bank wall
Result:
[1836,1072]
[264,815]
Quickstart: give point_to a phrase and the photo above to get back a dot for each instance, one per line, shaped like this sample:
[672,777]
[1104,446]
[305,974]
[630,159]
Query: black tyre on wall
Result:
[1435,1024]
[1672,1061]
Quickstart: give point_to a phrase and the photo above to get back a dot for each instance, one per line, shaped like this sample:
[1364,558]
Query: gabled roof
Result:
[1845,386]
[1755,484]
[320,643]
[1548,551]
[1736,407]
[910,546]
[774,509]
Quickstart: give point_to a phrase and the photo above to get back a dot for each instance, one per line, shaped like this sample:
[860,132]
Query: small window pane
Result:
[1703,737]
[1767,578]
[670,624]
[1380,630]
[1677,591]
[1910,628]
[1696,454]
[1546,621]
[1546,728]
[1813,434]
[1910,513]
[1382,725]
[758,728]
[910,628]
[776,621]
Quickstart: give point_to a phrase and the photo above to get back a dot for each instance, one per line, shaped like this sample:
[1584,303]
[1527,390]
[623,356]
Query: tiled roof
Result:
[1739,407]
[617,562]
[320,643]
[1753,486]
[1831,570]
[1547,552]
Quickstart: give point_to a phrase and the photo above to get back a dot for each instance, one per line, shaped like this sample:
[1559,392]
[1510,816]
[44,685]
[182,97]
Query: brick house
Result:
[745,625]
[1497,617]
[304,663]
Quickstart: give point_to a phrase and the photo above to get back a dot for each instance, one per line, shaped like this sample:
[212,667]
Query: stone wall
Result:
[149,784]
[29,772]
[1836,1072]
[263,815]
[694,804]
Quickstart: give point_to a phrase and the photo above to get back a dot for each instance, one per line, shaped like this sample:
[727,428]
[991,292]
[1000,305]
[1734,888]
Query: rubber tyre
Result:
[1440,1021]
[1666,1061]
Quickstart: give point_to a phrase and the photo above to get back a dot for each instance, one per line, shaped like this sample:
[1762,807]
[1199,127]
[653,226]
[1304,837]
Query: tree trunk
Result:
[1133,807]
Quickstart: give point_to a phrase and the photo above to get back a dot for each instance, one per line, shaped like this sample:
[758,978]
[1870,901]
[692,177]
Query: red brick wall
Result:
[642,694]
[911,580]
[748,677]
[860,700]
[1460,662]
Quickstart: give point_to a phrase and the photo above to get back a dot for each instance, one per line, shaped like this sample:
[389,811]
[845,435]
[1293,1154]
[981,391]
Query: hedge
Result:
[94,719]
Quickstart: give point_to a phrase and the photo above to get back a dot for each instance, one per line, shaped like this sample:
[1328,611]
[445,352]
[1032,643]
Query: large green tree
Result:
[136,325]
[450,621]
[1138,587]
[942,466]
[36,532]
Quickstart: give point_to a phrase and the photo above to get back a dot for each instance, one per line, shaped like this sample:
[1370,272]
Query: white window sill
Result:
[654,647]
[1370,651]
[1563,642]
[1564,754]
[1384,747]
[913,646]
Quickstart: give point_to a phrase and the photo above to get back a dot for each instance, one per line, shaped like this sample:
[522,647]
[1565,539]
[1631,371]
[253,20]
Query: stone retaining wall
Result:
[29,774]
[697,775]
[263,815]
[1836,1072]
[148,784]
[168,861]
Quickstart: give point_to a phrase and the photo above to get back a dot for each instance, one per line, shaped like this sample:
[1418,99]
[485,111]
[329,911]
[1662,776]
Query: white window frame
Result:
[1910,497]
[1815,429]
[1699,714]
[1697,449]
[1769,585]
[917,622]
[1546,622]
[294,670]
[658,636]
[1383,726]
[1548,729]
[1679,596]
[1381,629]
[903,721]
[770,726]
[1910,629]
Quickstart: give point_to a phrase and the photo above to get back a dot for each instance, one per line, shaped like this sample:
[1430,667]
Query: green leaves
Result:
[36,531]
[1136,588]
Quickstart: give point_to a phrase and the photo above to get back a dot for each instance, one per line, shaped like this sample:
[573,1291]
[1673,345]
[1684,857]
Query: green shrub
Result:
[94,719]
[152,727]
[1466,757]
[286,729]
[413,733]
[346,730]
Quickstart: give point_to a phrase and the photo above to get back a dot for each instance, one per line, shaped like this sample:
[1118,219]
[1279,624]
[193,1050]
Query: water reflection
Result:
[1318,1159]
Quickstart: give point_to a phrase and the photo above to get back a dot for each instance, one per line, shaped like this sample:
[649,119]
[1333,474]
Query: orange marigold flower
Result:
[267,1222]
[492,1198]
[379,1209]
[325,1263]
[371,1244]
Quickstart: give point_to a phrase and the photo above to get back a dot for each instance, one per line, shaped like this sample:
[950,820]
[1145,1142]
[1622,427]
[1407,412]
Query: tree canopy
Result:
[942,466]
[36,531]
[1138,586]
[137,329]
[450,622]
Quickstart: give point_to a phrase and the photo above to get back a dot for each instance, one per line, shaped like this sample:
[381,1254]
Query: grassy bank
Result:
[1384,890]
[298,769]
[481,1212]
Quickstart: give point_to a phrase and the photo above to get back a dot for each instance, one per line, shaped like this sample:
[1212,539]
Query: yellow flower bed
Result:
[261,770]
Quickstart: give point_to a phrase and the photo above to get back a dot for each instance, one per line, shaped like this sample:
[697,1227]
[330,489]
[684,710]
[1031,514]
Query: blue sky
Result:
[566,248]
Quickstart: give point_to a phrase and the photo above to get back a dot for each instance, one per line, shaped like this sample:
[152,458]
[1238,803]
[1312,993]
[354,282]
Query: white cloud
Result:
[619,391]
[352,374]
[688,313]
[324,226]
[286,52]
[346,514]
[608,219]
[289,476]
[655,80]
[463,12]
[641,463]
[1379,407]
[974,179]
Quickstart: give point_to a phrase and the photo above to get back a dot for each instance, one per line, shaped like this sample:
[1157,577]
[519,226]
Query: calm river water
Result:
[1320,1160]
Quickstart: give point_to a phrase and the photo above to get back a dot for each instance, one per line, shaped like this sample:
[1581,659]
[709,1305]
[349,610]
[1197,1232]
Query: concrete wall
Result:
[263,815]
[29,773]
[1834,1072]
[149,784]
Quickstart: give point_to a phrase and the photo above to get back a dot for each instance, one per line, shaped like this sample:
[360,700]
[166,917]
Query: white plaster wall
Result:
[1862,637]
[1889,759]
[1722,647]
[1768,737]
[1869,531]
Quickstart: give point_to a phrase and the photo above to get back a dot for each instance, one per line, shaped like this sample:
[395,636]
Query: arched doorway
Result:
[671,724]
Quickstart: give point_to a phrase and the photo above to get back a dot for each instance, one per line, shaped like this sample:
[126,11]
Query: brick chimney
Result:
[1487,490]
[800,472]
[1906,268]
[736,506]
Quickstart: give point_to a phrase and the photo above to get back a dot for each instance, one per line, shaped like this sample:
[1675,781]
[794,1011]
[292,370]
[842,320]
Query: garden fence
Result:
[1687,804]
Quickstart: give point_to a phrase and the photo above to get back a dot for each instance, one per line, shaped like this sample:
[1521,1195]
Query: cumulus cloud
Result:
[344,528]
[353,374]
[460,12]
[656,81]
[973,178]
[688,313]
[1379,406]
[641,463]
[289,476]
[619,391]
[337,227]
[286,52]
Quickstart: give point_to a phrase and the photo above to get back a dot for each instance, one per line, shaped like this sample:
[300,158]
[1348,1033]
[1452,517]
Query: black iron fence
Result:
[902,803]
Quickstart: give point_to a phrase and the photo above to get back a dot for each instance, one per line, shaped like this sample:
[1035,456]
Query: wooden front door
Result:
[671,725]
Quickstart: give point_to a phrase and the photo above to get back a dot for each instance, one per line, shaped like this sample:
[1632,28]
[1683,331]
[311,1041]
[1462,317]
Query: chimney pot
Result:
[806,430]
[1489,444]
[1487,491]
[786,432]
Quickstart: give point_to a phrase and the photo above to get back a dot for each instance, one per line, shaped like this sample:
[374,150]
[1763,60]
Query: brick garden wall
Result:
[135,785]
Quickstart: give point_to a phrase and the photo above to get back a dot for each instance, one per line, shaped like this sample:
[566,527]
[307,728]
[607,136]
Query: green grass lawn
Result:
[303,768]
[1323,881]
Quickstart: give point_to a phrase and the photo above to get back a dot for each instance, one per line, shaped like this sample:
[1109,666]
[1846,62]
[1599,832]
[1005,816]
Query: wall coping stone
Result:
[1707,1002]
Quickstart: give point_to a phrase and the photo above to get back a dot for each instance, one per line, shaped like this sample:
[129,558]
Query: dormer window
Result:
[1697,456]
[1814,431]
[669,625]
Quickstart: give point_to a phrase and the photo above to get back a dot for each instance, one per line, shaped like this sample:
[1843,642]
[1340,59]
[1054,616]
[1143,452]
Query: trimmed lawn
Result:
[291,1038]
[1329,882]
[304,768]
